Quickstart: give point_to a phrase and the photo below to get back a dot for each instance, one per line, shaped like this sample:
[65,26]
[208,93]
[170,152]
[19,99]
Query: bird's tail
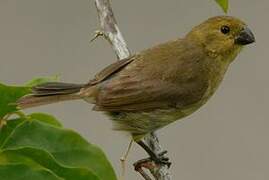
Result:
[48,93]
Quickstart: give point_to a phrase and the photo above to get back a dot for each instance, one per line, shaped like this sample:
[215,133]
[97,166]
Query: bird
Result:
[159,85]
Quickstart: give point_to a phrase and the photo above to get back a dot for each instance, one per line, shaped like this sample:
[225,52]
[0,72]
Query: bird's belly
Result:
[141,123]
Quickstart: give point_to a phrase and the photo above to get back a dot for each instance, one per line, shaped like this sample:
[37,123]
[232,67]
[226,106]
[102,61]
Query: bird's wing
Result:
[131,95]
[151,81]
[110,70]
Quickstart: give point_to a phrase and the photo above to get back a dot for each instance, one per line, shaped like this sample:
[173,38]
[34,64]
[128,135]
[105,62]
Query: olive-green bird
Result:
[159,85]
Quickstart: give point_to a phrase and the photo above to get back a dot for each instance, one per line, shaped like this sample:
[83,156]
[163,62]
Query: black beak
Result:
[245,37]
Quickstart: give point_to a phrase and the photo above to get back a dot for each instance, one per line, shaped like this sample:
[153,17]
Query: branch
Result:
[110,30]
[159,172]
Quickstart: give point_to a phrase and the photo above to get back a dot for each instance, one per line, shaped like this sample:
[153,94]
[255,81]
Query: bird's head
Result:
[222,35]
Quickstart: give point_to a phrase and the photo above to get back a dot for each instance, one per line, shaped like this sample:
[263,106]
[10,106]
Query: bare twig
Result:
[110,28]
[111,32]
[96,35]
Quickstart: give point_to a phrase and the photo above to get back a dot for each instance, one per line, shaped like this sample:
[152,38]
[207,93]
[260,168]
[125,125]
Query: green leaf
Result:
[37,147]
[24,172]
[42,80]
[6,130]
[224,4]
[8,96]
[45,118]
[39,159]
[66,147]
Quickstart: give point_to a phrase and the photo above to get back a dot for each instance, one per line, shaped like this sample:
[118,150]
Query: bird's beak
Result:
[245,37]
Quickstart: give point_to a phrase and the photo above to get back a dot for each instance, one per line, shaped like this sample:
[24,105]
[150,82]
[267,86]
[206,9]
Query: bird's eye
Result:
[225,29]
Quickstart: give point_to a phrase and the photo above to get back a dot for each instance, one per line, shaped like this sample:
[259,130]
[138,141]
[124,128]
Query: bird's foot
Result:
[161,159]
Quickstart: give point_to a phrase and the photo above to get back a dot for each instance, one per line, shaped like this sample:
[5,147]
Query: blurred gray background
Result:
[226,139]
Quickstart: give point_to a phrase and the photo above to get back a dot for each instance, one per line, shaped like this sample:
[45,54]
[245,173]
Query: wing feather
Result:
[158,78]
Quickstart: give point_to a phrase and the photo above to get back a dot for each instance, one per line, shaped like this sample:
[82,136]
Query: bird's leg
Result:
[157,158]
[123,160]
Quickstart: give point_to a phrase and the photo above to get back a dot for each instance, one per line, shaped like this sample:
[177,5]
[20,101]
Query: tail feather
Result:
[50,93]
[54,88]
